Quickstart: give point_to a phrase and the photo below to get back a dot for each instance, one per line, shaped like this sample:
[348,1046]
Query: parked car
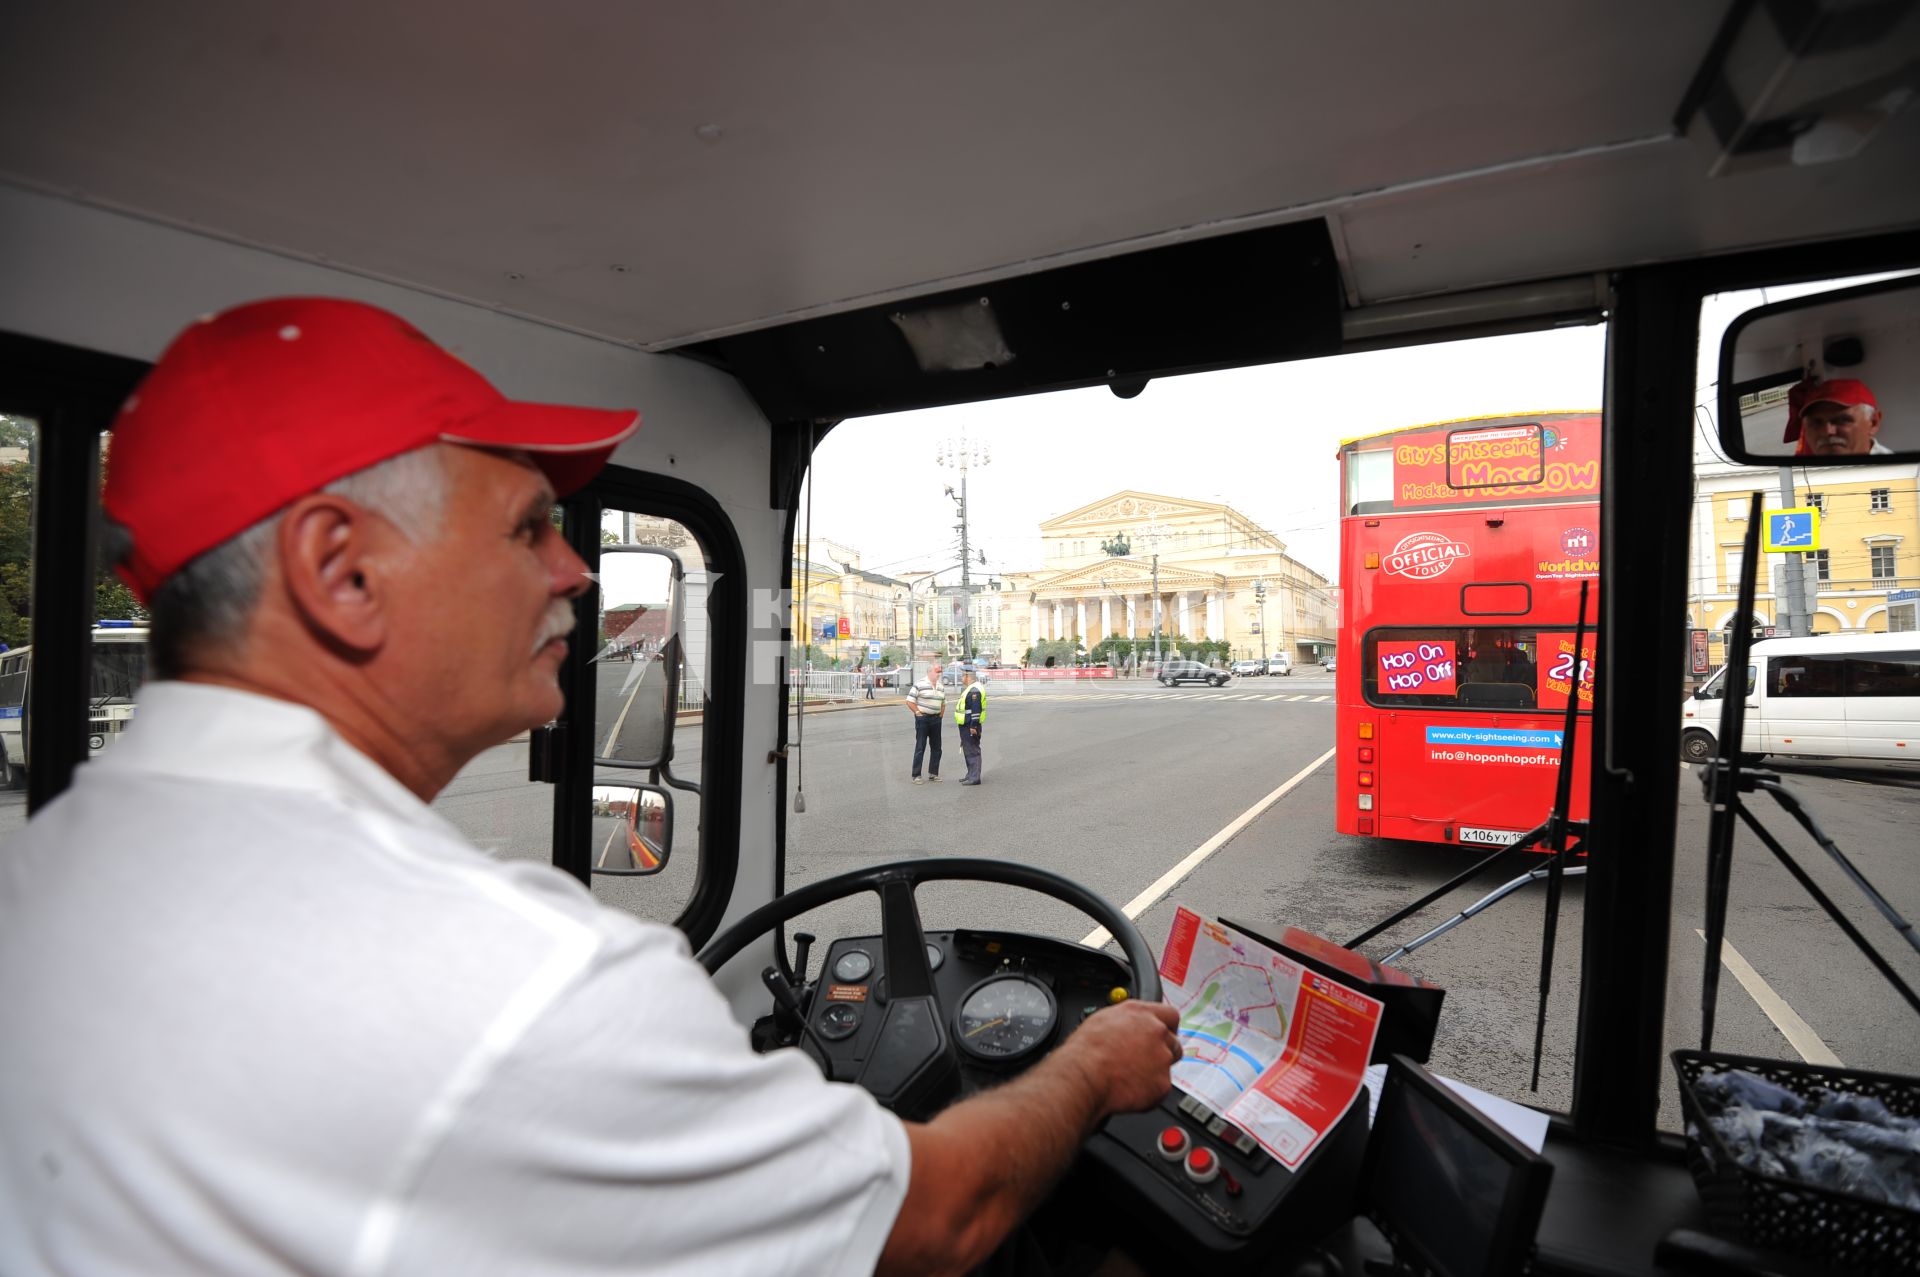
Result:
[1246,668]
[1328,667]
[1279,665]
[1174,672]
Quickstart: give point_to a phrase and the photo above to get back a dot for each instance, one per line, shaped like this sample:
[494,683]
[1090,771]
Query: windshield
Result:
[1136,575]
[118,670]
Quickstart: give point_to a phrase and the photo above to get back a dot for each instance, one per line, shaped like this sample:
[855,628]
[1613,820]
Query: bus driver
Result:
[262,1010]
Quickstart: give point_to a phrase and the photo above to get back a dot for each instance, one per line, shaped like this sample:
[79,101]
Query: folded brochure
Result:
[1274,1048]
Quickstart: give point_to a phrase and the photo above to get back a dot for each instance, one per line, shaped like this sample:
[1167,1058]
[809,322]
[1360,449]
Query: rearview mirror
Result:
[632,829]
[1830,379]
[637,668]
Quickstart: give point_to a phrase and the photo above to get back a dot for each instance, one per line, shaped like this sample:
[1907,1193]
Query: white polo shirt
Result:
[262,1011]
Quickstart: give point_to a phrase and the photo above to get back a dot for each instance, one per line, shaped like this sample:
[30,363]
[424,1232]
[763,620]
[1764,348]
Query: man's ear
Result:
[331,567]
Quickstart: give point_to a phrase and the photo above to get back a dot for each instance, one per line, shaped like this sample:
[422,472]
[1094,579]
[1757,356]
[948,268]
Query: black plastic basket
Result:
[1844,1230]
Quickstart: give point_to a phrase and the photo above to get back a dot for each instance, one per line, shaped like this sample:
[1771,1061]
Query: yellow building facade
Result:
[1857,583]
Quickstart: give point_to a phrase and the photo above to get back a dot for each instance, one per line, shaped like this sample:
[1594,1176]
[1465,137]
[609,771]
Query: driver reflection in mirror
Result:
[326,1033]
[1838,417]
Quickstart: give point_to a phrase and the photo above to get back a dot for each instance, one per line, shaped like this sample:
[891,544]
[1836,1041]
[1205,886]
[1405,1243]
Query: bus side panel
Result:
[1884,727]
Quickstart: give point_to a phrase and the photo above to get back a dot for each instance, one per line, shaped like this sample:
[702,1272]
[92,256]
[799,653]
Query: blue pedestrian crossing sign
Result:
[1795,528]
[873,649]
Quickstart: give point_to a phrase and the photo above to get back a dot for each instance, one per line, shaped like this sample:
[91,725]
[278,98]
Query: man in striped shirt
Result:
[928,701]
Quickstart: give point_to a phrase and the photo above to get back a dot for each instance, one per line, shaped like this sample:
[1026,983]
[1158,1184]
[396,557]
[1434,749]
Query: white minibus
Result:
[1828,696]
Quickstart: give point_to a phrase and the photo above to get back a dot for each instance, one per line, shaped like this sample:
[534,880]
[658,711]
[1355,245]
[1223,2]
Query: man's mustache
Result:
[559,624]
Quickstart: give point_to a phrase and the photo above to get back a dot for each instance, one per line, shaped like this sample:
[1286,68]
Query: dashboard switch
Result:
[1173,1143]
[1203,1167]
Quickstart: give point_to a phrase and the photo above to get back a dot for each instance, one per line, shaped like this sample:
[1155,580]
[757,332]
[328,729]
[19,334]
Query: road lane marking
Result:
[1301,697]
[1169,880]
[1798,1033]
[1320,698]
[1281,697]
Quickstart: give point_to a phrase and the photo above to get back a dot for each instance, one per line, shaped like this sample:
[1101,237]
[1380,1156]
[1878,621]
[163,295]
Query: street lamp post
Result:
[963,454]
[1154,533]
[1260,594]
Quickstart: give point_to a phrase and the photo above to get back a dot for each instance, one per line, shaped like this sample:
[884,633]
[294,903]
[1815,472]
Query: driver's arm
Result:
[982,1165]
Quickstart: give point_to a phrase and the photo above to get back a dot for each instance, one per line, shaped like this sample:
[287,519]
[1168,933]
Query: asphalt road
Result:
[1113,784]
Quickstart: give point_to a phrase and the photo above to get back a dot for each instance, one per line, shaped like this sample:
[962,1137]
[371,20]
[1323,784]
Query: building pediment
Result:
[1129,506]
[1126,576]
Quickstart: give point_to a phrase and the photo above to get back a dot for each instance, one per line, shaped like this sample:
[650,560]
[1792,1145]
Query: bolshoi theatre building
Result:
[1207,564]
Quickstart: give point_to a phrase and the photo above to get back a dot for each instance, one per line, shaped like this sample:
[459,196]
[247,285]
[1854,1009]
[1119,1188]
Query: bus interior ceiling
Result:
[569,196]
[662,176]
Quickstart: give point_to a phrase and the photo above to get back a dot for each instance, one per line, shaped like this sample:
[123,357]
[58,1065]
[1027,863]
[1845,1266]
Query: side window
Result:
[1887,674]
[650,664]
[19,438]
[1792,676]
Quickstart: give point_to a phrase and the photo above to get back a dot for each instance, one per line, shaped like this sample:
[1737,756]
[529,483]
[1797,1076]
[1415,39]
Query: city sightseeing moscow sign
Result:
[1424,555]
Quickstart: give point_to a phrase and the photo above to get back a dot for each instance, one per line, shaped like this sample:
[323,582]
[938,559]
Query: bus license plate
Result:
[1495,837]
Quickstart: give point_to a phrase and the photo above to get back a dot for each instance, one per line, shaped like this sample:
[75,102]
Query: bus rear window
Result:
[1475,667]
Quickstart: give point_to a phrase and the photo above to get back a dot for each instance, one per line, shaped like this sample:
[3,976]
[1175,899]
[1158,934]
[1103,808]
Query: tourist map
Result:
[1272,1047]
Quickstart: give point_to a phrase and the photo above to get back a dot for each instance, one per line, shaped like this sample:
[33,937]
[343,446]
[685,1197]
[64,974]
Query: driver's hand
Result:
[1129,1051]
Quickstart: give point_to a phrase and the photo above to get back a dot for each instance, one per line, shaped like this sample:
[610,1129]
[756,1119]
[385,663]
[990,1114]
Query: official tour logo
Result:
[1576,541]
[1424,555]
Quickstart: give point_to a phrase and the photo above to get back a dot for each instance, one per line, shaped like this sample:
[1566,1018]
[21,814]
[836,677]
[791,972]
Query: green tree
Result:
[1051,652]
[112,600]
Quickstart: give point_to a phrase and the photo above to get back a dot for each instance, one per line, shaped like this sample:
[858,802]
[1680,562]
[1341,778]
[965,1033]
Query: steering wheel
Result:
[913,1057]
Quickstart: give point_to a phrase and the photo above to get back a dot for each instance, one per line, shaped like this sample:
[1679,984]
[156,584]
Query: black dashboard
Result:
[1006,999]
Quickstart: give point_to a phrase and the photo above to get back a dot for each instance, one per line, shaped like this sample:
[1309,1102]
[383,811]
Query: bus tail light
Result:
[1366,753]
[1373,558]
[1366,731]
[1366,824]
[1366,778]
[1366,802]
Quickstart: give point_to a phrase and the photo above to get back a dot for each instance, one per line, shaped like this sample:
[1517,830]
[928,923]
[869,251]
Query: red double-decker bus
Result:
[1462,549]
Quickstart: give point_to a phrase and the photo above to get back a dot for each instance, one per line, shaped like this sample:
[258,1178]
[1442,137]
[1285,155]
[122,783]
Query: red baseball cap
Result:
[257,406]
[1845,391]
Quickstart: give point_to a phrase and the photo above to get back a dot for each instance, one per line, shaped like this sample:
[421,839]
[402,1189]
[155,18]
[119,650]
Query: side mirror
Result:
[1830,379]
[632,829]
[637,668]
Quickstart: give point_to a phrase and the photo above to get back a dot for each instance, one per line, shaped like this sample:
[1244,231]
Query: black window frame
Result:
[723,720]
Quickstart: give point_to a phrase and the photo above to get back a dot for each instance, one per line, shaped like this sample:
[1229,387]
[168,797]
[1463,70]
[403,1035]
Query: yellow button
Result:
[1116,995]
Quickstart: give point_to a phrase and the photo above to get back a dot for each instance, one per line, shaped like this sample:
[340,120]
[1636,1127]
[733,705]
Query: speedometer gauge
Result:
[1005,1017]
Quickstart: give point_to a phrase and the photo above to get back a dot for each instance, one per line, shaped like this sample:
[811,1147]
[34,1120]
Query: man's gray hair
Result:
[208,602]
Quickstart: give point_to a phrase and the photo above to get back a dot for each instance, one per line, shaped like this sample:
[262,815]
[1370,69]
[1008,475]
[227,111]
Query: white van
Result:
[1829,696]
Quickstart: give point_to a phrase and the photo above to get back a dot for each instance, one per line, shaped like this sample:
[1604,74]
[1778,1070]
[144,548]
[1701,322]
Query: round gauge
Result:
[1005,1017]
[934,956]
[838,1021]
[854,966]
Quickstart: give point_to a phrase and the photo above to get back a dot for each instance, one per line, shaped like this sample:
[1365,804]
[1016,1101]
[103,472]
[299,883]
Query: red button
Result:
[1202,1166]
[1173,1142]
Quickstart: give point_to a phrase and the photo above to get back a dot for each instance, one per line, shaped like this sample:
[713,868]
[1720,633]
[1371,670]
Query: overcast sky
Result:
[1261,440]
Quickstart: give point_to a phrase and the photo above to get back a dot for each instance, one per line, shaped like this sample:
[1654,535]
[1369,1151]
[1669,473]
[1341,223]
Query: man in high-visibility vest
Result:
[968,715]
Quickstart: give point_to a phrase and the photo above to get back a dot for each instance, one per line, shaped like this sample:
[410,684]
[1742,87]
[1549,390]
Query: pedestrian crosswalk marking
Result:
[1281,697]
[1301,697]
[1319,698]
